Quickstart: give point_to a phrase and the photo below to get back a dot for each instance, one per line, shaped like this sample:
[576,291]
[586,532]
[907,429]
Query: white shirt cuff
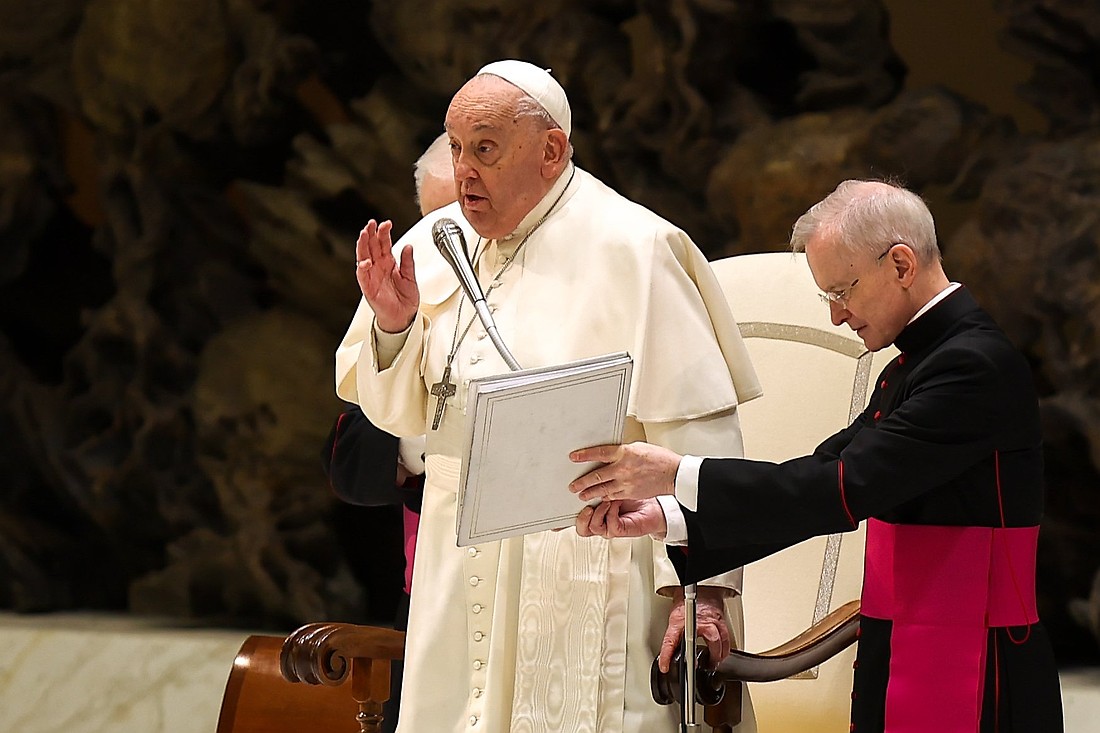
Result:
[410,451]
[388,345]
[676,532]
[687,482]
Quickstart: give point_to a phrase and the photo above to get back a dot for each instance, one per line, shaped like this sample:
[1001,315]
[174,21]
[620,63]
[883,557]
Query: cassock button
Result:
[478,664]
[475,358]
[855,664]
[473,720]
[474,580]
[878,414]
[478,636]
[477,692]
[851,727]
[883,385]
[901,359]
[476,608]
[472,552]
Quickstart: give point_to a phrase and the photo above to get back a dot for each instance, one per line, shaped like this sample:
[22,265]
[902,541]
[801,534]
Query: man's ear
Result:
[555,153]
[904,262]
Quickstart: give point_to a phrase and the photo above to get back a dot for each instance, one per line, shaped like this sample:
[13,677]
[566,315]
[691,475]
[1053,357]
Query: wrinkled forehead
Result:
[484,102]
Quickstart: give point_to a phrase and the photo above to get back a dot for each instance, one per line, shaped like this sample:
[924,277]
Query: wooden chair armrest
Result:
[319,654]
[716,689]
[329,653]
[823,640]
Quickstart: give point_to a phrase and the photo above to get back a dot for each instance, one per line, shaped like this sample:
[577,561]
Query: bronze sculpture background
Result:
[181,182]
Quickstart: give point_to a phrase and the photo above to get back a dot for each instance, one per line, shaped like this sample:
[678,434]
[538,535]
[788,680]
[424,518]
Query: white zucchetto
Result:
[538,84]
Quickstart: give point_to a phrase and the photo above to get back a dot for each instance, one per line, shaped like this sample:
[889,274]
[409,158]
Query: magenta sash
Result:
[411,522]
[943,588]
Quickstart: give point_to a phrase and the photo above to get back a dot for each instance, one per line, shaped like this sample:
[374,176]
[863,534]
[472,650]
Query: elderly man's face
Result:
[872,302]
[499,160]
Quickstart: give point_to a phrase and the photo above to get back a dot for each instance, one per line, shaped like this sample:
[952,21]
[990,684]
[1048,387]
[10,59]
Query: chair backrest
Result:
[259,700]
[817,377]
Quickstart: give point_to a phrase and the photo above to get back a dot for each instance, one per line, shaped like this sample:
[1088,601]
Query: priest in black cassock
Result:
[945,464]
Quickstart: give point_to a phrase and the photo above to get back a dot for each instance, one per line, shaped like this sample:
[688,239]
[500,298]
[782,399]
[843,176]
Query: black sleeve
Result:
[749,509]
[834,444]
[697,562]
[360,461]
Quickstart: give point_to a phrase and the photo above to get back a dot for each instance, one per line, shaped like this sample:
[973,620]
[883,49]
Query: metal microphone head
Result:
[451,243]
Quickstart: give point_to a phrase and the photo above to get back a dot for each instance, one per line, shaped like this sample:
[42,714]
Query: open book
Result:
[520,428]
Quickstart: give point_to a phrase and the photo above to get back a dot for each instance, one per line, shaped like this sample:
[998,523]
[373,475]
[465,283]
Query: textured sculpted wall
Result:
[181,183]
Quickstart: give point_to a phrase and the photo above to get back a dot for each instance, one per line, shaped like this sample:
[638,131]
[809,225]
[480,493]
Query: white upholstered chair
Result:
[817,377]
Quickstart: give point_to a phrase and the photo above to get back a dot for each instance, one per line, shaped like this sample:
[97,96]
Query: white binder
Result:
[520,428]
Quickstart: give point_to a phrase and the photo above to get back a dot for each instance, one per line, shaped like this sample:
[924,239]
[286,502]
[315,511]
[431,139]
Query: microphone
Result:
[451,243]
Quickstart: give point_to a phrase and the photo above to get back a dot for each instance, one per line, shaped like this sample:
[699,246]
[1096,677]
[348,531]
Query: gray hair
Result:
[868,216]
[435,161]
[528,106]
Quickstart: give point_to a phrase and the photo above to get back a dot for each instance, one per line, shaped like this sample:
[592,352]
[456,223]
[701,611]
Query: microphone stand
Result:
[687,708]
[494,335]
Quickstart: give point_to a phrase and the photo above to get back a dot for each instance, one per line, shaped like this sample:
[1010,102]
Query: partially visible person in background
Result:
[370,467]
[434,176]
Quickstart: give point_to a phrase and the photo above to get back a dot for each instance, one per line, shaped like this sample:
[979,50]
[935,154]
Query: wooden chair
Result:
[345,669]
[817,378]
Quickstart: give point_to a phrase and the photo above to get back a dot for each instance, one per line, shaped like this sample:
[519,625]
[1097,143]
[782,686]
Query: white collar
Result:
[936,299]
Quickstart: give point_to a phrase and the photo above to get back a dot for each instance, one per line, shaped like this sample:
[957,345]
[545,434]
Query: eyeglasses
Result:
[843,296]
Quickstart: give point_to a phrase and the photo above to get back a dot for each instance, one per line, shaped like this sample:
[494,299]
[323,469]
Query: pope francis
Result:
[551,631]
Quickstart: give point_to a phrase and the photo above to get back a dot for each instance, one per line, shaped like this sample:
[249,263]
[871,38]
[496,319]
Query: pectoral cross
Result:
[442,389]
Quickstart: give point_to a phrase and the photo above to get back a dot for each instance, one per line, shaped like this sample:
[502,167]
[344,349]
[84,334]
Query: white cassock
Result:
[551,631]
